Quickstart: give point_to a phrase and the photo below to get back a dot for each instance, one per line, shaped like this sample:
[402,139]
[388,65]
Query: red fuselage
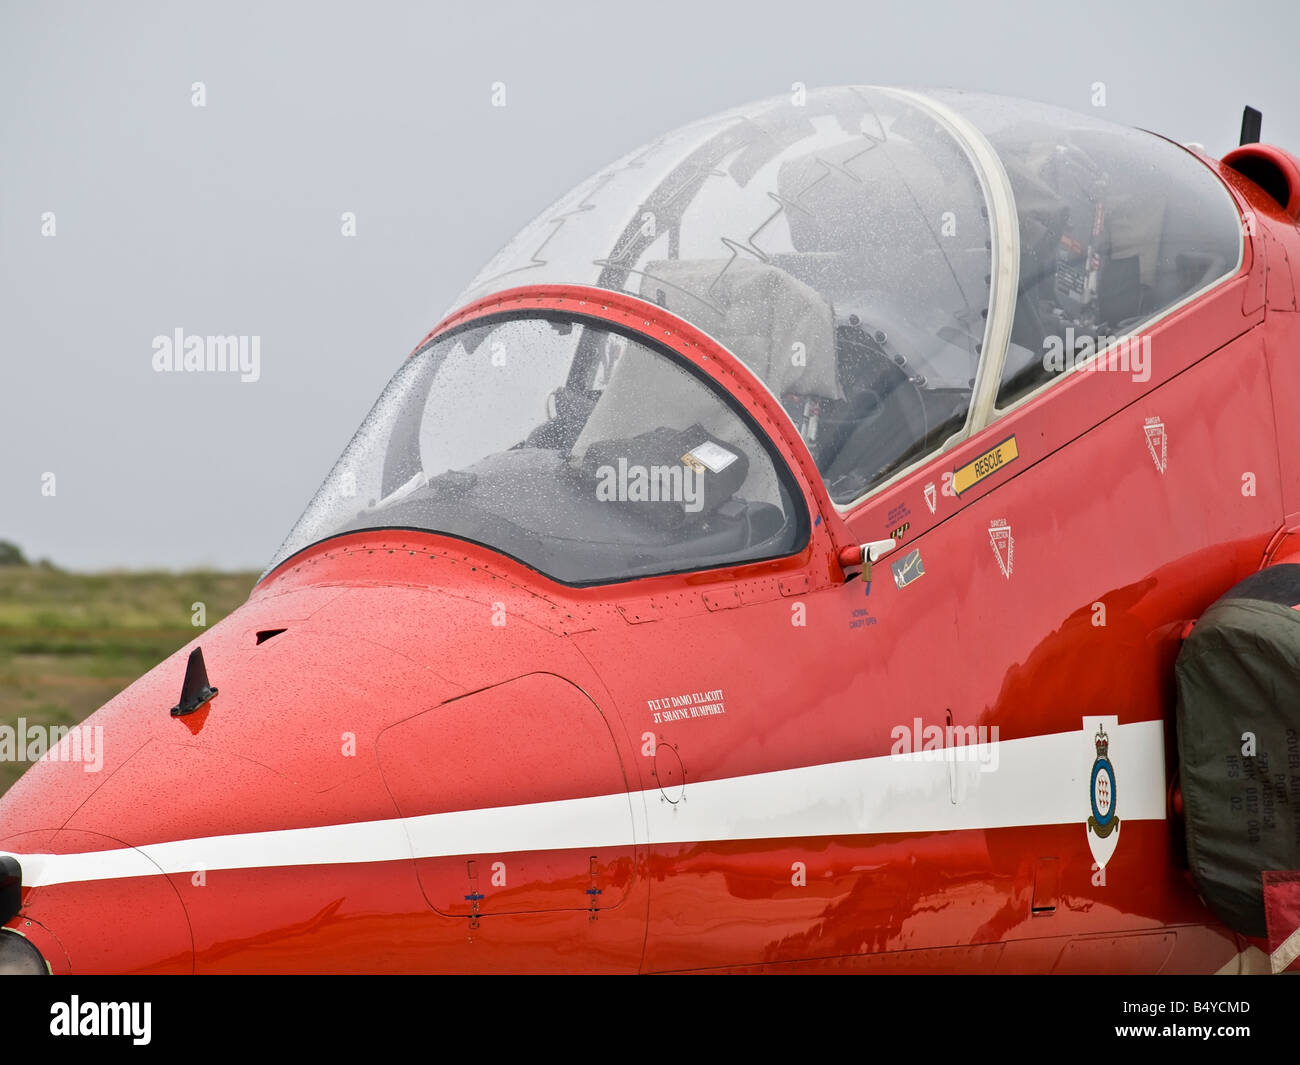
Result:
[448,762]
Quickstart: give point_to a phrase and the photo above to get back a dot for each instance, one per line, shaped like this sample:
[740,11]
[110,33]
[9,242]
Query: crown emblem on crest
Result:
[1103,742]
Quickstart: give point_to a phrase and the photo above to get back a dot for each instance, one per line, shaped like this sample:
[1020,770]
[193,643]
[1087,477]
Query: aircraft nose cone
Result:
[132,921]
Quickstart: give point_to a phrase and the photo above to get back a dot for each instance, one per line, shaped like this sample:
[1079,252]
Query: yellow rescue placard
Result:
[968,476]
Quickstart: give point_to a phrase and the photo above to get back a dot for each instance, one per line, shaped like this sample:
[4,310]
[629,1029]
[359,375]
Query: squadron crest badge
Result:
[1102,824]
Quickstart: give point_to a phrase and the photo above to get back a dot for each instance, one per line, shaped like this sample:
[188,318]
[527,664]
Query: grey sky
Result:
[226,219]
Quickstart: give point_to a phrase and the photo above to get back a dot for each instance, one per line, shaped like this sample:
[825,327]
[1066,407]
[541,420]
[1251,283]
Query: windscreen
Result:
[587,453]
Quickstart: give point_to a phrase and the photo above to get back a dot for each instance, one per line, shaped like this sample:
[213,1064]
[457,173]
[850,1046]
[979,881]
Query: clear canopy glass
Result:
[1115,226]
[839,244]
[844,245]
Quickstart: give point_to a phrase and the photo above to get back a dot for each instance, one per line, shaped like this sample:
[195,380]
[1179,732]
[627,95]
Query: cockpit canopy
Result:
[840,247]
[847,244]
[897,268]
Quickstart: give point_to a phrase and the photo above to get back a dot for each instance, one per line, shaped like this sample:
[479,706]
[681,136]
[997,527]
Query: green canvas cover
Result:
[1238,677]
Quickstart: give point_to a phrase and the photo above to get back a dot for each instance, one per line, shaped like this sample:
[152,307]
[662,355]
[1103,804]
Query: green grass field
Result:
[69,642]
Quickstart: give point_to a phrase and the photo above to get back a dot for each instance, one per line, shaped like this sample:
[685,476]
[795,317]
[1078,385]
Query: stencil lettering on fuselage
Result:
[687,705]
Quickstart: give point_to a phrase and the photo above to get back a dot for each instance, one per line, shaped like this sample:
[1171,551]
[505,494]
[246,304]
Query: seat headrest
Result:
[758,313]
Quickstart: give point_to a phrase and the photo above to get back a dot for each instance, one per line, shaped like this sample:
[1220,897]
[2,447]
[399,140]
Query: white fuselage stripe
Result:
[1038,780]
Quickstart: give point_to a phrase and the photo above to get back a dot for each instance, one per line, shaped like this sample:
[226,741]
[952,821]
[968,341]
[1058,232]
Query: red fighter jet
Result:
[852,532]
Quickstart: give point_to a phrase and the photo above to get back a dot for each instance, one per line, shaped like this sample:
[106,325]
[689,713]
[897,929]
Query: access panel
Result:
[515,800]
